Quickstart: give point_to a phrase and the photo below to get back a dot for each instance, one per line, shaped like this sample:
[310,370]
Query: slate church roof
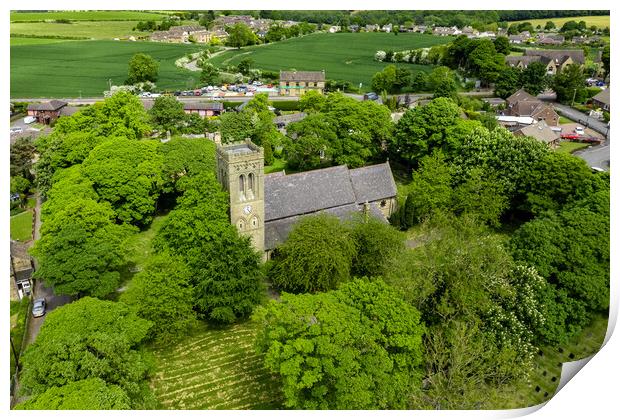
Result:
[337,190]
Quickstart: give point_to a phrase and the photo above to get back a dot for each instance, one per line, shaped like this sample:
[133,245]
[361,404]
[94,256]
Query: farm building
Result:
[296,83]
[266,207]
[204,109]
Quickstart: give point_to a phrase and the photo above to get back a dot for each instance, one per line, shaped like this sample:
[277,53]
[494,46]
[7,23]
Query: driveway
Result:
[29,130]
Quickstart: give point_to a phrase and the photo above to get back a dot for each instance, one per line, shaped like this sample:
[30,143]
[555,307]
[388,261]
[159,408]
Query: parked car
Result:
[570,136]
[29,119]
[155,95]
[177,93]
[371,96]
[579,130]
[16,130]
[38,307]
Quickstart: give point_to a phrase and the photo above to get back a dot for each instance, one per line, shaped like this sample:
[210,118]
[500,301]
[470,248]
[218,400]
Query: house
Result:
[445,31]
[601,100]
[204,109]
[21,267]
[266,207]
[486,34]
[495,102]
[334,29]
[48,112]
[182,34]
[517,39]
[541,132]
[550,39]
[296,83]
[522,62]
[522,104]
[371,28]
[387,28]
[561,57]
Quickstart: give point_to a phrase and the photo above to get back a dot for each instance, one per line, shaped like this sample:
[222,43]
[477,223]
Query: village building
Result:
[21,268]
[296,83]
[601,100]
[445,31]
[282,121]
[541,132]
[48,112]
[550,39]
[517,39]
[522,104]
[203,109]
[522,62]
[266,207]
[561,58]
[185,34]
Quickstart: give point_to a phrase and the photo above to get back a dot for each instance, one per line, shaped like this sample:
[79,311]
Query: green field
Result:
[214,369]
[343,56]
[599,21]
[34,41]
[84,15]
[64,69]
[87,29]
[21,226]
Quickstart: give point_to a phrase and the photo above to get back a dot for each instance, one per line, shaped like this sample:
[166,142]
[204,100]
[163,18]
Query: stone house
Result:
[266,207]
[296,83]
[182,34]
[601,100]
[21,268]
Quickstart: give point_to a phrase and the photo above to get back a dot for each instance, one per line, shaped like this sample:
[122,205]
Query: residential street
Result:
[582,118]
[596,156]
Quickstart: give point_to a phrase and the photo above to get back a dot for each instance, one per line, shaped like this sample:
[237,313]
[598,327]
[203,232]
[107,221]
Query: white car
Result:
[579,130]
[16,130]
[155,95]
[145,95]
[30,119]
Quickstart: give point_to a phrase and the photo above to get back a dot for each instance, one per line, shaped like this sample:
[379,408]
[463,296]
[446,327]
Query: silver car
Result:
[38,308]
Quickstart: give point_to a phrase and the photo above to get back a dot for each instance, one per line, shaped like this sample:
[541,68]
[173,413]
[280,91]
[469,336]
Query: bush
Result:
[229,105]
[286,105]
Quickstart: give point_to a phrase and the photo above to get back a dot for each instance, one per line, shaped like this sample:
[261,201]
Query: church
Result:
[266,207]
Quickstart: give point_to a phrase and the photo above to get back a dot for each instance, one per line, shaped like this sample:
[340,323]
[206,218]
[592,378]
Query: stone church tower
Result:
[240,171]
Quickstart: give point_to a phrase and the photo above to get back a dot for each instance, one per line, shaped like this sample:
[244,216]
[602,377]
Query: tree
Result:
[377,245]
[236,126]
[240,35]
[426,128]
[384,80]
[20,185]
[161,293]
[570,84]
[605,57]
[128,175]
[508,82]
[186,157]
[142,68]
[481,196]
[311,101]
[89,339]
[420,82]
[358,347]
[167,114]
[313,138]
[244,66]
[224,268]
[440,77]
[556,180]
[534,78]
[317,256]
[22,153]
[87,394]
[549,25]
[81,250]
[502,45]
[210,75]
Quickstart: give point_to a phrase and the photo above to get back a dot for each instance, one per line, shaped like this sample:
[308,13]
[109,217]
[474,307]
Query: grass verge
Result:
[21,226]
[19,312]
[570,146]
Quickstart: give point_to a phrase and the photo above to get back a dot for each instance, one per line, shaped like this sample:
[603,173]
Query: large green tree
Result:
[359,347]
[186,157]
[167,114]
[316,256]
[89,339]
[240,35]
[142,68]
[224,268]
[128,175]
[377,244]
[87,394]
[81,249]
[570,84]
[508,82]
[534,78]
[162,293]
[311,142]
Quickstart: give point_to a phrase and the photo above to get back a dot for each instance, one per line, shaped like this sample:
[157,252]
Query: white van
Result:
[29,119]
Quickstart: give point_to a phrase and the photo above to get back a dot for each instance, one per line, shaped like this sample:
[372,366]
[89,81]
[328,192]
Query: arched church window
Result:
[251,186]
[254,222]
[242,187]
[241,224]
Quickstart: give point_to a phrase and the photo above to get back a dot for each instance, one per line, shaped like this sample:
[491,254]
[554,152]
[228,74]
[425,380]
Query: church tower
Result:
[240,171]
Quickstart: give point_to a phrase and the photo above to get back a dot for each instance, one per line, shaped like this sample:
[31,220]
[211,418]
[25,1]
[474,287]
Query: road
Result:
[582,118]
[40,291]
[596,156]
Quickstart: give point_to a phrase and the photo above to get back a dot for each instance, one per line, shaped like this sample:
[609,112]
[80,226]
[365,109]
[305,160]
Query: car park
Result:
[38,307]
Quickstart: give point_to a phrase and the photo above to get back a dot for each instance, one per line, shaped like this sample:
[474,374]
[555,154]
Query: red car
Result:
[570,136]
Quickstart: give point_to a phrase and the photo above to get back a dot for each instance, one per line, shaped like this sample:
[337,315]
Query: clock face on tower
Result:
[247,209]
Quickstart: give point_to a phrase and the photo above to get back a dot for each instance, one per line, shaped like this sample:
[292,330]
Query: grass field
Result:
[86,29]
[343,56]
[21,226]
[85,15]
[570,146]
[64,69]
[35,41]
[214,369]
[599,21]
